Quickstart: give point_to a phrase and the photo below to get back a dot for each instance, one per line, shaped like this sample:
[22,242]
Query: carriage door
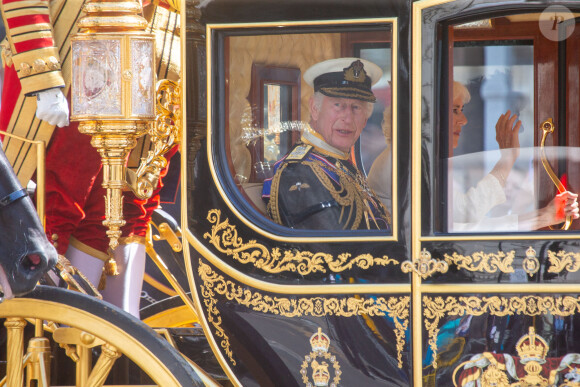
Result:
[497,278]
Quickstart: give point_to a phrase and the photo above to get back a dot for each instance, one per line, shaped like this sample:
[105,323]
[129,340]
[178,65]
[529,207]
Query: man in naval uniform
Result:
[316,186]
[36,56]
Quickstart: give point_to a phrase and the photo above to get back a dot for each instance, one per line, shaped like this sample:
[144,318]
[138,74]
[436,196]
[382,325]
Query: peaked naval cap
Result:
[344,78]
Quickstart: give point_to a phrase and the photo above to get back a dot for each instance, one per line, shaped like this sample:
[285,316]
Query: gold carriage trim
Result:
[397,308]
[438,307]
[563,260]
[224,237]
[483,262]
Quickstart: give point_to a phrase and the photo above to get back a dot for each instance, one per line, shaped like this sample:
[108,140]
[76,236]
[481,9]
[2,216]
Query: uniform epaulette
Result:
[299,152]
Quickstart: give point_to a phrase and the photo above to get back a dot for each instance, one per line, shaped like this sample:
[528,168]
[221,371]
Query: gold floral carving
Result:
[224,237]
[437,308]
[397,308]
[483,262]
[563,261]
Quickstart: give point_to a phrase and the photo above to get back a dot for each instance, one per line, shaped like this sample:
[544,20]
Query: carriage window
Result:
[507,152]
[296,105]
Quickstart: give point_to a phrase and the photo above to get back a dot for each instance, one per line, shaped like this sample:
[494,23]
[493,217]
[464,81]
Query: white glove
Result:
[52,107]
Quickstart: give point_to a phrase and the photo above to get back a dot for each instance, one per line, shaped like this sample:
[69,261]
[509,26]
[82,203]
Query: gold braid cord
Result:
[347,196]
[353,194]
[224,237]
[437,308]
[547,128]
[273,209]
[214,285]
[482,262]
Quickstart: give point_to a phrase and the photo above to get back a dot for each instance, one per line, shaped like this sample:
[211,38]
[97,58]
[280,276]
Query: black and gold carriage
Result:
[439,300]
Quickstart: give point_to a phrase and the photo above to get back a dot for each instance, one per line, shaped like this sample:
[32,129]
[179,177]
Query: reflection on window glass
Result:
[493,82]
[277,109]
[376,139]
[494,153]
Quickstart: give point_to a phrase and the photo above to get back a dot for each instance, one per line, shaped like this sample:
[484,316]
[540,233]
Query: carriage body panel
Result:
[399,308]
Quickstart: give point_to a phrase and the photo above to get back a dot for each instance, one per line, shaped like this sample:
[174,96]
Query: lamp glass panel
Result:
[143,80]
[96,78]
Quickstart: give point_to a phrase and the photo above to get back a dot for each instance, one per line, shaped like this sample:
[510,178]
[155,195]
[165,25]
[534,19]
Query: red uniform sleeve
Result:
[31,44]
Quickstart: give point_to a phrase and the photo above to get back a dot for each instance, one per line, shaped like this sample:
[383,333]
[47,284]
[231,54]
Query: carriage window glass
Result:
[490,81]
[270,120]
[507,129]
[376,138]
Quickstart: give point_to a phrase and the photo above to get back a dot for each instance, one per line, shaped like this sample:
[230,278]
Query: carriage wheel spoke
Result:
[101,370]
[37,361]
[84,343]
[15,350]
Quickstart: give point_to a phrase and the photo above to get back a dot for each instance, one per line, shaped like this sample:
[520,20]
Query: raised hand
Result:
[507,134]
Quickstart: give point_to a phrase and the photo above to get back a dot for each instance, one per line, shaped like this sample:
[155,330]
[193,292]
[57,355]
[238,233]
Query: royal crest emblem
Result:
[317,363]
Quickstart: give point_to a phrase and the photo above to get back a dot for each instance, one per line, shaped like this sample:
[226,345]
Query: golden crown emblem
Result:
[532,347]
[319,341]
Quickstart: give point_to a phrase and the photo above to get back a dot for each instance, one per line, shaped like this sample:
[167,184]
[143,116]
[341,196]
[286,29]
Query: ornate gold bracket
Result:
[425,266]
[547,128]
[166,233]
[84,342]
[164,135]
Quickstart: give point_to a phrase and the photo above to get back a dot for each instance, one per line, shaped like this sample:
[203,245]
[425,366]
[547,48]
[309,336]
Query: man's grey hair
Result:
[318,97]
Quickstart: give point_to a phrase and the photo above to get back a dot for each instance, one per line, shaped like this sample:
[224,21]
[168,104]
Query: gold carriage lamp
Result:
[113,92]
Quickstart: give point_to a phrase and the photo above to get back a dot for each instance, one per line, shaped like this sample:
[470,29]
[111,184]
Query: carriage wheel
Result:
[50,322]
[169,313]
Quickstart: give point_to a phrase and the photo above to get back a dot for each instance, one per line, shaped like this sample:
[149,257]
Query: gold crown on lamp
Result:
[532,347]
[319,341]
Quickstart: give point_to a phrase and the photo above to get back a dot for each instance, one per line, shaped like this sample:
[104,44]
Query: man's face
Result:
[339,121]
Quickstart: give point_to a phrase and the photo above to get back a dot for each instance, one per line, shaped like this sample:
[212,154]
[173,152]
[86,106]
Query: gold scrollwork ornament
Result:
[483,262]
[425,266]
[164,135]
[563,260]
[224,237]
[320,344]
